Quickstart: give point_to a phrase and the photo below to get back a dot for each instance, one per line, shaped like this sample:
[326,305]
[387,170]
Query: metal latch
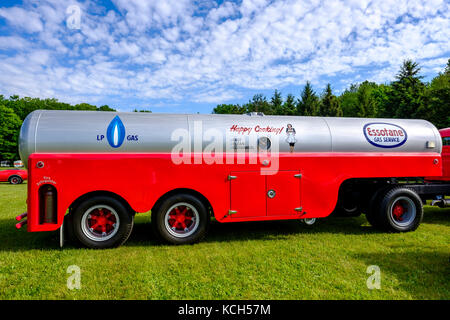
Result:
[299,175]
[299,209]
[230,212]
[230,177]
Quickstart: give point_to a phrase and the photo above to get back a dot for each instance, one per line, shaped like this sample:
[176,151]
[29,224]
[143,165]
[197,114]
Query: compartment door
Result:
[248,196]
[283,193]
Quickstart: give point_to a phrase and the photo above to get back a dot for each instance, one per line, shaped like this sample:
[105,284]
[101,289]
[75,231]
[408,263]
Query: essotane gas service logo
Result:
[385,135]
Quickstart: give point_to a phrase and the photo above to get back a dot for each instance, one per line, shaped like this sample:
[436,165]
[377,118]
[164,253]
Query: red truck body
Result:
[445,134]
[288,168]
[142,179]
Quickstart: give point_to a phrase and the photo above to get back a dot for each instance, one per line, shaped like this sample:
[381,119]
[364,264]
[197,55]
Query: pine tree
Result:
[330,106]
[406,99]
[277,103]
[289,106]
[308,105]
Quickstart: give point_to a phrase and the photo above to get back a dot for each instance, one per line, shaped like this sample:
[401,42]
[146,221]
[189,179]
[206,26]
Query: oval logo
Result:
[115,133]
[385,135]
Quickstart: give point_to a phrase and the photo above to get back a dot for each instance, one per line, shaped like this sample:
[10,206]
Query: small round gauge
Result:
[264,143]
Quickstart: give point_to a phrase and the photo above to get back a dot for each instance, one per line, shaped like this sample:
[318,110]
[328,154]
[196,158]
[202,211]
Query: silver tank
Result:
[92,131]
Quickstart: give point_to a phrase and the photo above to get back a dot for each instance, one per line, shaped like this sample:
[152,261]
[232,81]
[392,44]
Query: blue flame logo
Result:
[116,132]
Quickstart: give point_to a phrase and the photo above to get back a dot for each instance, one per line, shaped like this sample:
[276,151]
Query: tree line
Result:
[13,111]
[406,97]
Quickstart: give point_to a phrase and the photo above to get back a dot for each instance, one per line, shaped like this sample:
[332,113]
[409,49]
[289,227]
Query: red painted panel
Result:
[445,176]
[248,194]
[287,193]
[141,179]
[446,163]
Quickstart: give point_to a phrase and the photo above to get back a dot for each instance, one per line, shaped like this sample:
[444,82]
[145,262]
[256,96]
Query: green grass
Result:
[264,260]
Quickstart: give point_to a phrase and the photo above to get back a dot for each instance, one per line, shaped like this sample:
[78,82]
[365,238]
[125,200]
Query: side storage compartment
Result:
[283,193]
[256,195]
[247,194]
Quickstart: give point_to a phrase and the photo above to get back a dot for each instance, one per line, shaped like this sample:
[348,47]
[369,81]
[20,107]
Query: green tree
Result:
[259,103]
[289,106]
[308,104]
[329,104]
[349,101]
[381,94]
[9,133]
[229,109]
[406,100]
[85,106]
[105,108]
[437,104]
[276,103]
[367,103]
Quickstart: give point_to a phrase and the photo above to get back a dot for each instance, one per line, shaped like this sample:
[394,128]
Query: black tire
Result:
[15,180]
[68,228]
[342,211]
[374,207]
[171,230]
[91,238]
[410,213]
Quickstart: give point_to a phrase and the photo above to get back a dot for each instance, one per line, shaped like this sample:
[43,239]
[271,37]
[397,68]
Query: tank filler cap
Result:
[261,114]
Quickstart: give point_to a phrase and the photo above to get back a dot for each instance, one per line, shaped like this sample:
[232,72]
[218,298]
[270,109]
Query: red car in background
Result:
[13,176]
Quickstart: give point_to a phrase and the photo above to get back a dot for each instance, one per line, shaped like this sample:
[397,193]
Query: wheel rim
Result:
[15,180]
[181,220]
[100,223]
[403,211]
[349,207]
[309,221]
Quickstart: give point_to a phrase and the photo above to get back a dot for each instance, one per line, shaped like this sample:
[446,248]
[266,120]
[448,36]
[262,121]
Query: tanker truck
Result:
[91,172]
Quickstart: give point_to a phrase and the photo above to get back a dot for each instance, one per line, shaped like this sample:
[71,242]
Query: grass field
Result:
[265,260]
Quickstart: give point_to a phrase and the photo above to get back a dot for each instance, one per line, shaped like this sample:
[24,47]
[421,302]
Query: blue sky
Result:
[188,56]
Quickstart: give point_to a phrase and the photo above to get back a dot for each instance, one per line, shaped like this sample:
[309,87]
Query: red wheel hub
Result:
[180,217]
[398,211]
[102,220]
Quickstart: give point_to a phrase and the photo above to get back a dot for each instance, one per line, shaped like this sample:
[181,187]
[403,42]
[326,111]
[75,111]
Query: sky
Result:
[186,56]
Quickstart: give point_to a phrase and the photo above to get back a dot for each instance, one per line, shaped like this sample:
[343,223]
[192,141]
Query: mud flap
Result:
[61,235]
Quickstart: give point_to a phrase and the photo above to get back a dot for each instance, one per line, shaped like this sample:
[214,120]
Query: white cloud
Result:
[13,42]
[144,14]
[27,20]
[177,51]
